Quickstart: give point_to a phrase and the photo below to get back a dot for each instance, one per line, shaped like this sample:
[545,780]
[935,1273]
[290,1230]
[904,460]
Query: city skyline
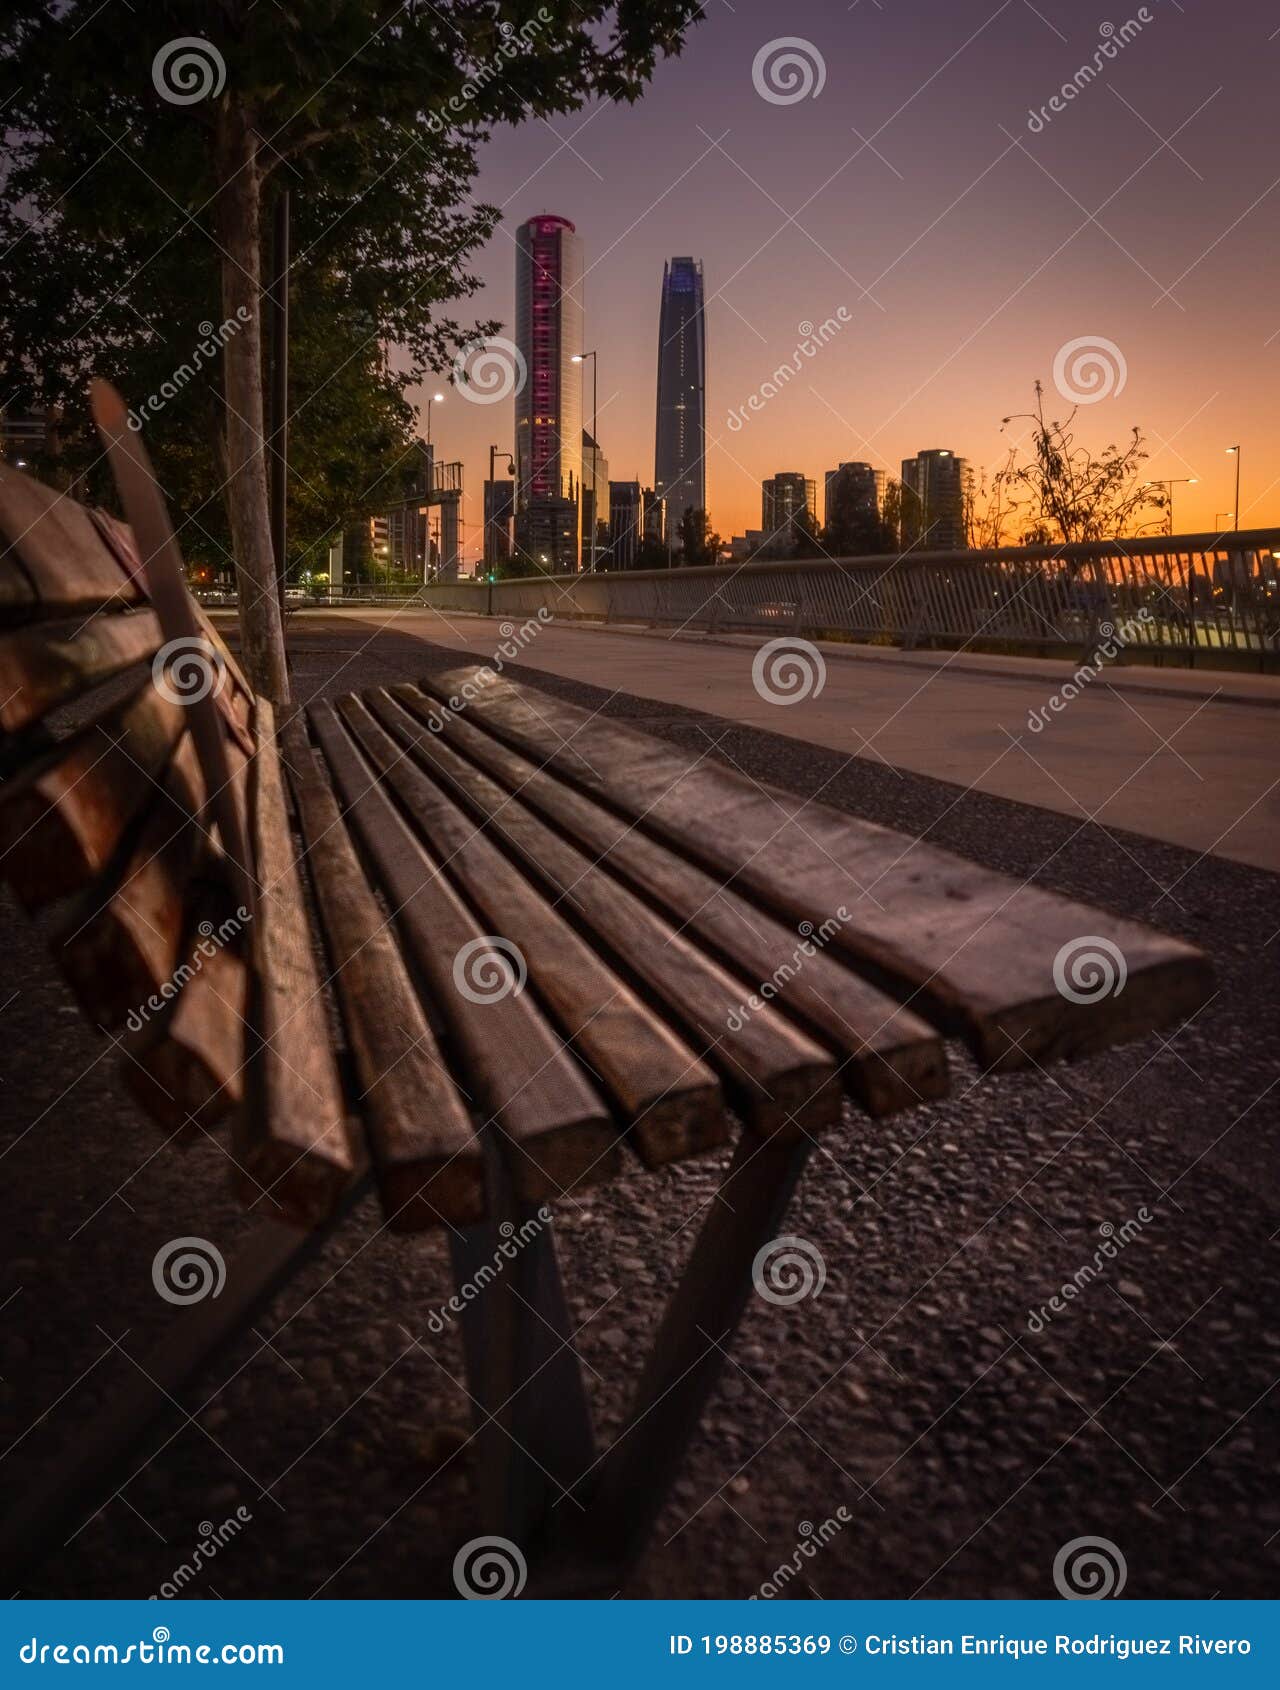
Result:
[964,269]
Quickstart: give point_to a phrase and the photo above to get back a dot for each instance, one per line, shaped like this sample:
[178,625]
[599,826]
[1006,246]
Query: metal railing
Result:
[1180,595]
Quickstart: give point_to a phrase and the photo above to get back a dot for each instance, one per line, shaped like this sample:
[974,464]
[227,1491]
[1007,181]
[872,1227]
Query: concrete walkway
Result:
[1180,755]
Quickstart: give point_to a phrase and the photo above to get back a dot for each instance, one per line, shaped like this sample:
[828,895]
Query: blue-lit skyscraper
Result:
[679,457]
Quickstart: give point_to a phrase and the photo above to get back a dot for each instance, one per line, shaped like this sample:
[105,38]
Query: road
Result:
[1194,767]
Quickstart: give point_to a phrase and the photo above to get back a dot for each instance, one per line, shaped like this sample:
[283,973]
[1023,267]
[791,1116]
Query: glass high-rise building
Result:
[935,489]
[548,405]
[679,475]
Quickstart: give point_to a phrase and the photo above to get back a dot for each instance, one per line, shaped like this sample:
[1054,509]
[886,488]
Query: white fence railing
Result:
[1182,595]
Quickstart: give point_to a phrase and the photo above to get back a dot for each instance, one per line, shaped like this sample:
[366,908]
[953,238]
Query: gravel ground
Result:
[909,1415]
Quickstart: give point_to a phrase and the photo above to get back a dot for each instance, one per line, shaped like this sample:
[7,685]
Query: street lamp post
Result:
[581,358]
[495,452]
[432,399]
[1235,450]
[1169,482]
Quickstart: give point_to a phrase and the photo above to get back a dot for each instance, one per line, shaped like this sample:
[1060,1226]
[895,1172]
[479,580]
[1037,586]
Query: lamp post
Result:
[495,452]
[432,399]
[1235,515]
[581,358]
[1169,483]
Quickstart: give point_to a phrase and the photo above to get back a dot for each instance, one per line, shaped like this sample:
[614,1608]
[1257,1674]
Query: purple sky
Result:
[964,247]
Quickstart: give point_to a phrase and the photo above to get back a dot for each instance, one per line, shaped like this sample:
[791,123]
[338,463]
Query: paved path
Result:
[1181,756]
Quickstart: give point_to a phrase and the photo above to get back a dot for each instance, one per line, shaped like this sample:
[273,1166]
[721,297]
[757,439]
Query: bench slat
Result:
[780,1079]
[667,1098]
[972,949]
[50,664]
[63,817]
[186,1063]
[55,562]
[427,1156]
[121,938]
[293,1136]
[891,1058]
[555,1133]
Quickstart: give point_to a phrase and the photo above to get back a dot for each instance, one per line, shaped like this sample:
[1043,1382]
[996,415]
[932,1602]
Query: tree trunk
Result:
[248,507]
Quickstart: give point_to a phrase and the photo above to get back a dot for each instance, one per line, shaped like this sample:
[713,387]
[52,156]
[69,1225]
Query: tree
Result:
[132,148]
[891,514]
[805,539]
[855,527]
[1066,493]
[699,542]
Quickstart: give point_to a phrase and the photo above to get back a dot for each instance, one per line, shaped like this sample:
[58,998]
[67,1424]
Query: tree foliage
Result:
[1064,492]
[135,214]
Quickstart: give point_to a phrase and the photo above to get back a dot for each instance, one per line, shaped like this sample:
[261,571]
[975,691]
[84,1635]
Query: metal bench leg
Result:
[90,1465]
[688,1354]
[533,1422]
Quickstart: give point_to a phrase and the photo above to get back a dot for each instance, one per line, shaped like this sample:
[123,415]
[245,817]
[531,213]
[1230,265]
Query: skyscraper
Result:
[863,485]
[935,488]
[785,500]
[548,404]
[679,475]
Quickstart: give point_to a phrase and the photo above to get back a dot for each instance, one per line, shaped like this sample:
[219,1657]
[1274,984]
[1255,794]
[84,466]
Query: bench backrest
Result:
[104,810]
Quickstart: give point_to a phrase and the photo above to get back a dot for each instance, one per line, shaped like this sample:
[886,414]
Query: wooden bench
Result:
[602,955]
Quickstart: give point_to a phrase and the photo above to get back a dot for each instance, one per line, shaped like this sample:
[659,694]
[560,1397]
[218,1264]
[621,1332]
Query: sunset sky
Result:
[965,247]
